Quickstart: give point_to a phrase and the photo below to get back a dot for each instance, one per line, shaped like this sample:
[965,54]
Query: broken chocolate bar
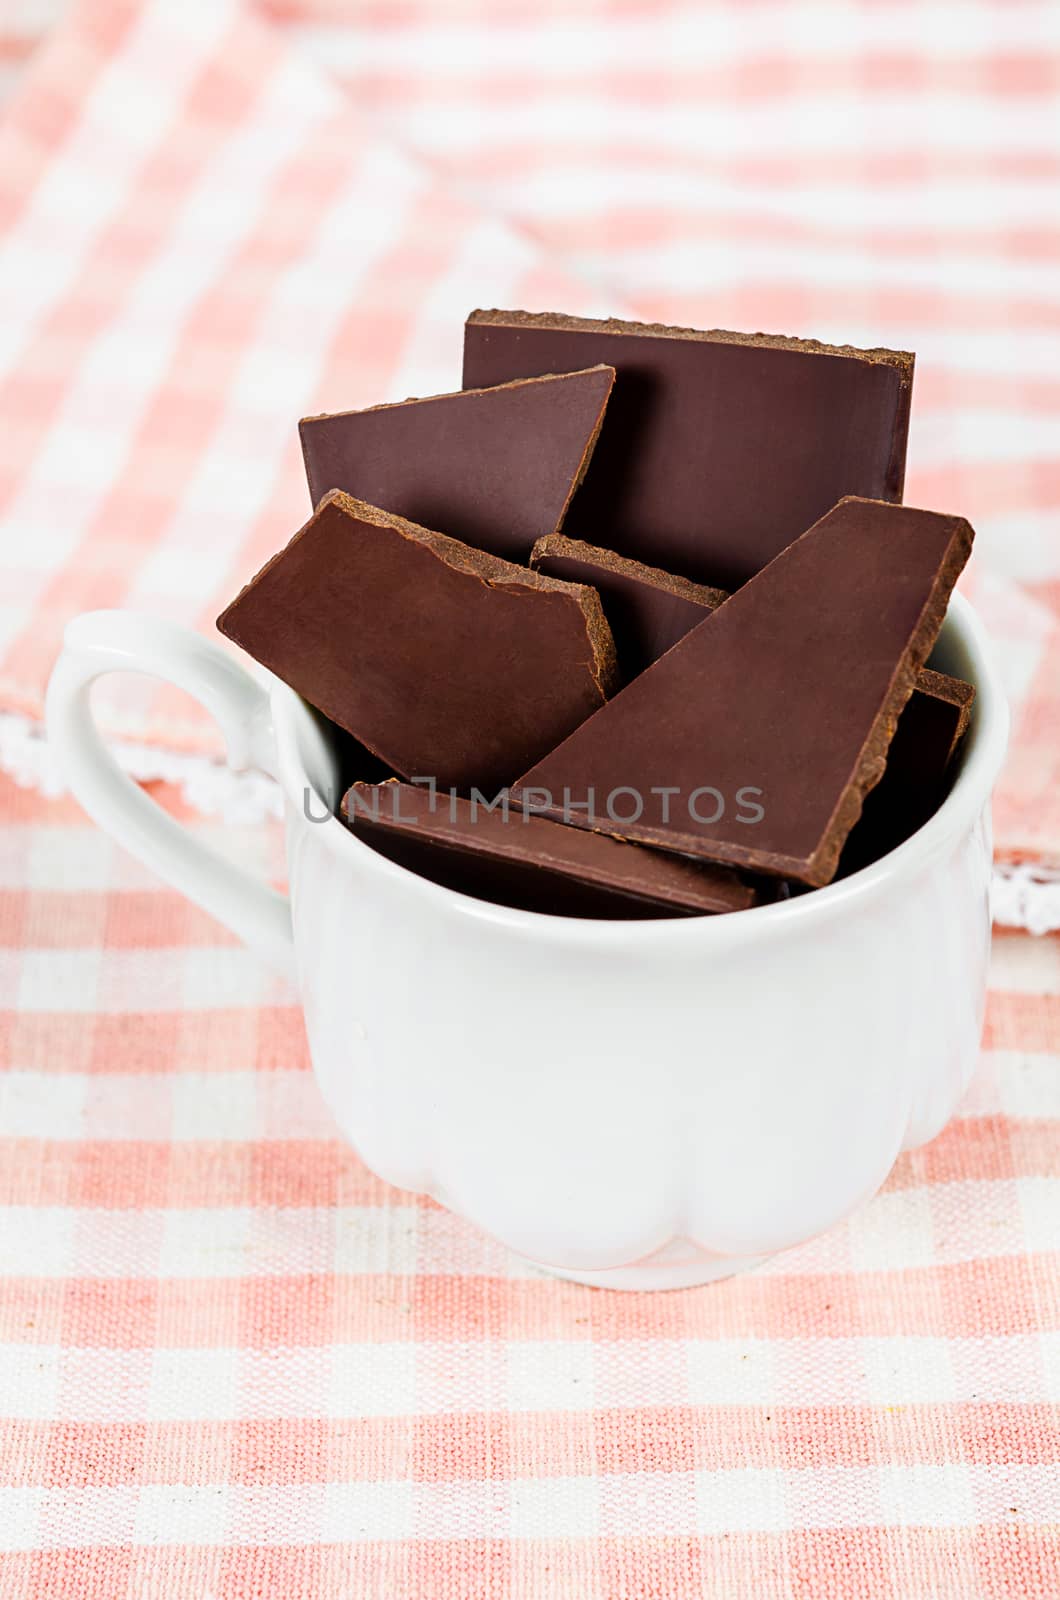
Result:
[442,660]
[717,449]
[493,467]
[647,610]
[914,784]
[511,858]
[932,741]
[754,740]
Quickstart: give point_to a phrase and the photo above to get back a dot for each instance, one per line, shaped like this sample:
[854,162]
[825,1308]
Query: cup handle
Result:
[123,641]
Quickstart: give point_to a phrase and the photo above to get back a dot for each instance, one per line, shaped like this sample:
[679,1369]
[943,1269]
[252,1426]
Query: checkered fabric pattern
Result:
[215,217]
[234,1365]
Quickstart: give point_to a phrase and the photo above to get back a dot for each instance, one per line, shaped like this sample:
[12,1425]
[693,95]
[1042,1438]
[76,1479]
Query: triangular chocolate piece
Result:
[444,661]
[754,740]
[718,448]
[532,863]
[493,467]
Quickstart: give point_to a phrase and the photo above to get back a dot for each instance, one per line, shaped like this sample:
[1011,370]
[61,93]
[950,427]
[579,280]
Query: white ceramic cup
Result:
[631,1104]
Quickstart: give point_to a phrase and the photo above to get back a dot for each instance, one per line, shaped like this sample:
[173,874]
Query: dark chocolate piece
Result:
[915,780]
[770,721]
[718,449]
[932,741]
[493,467]
[648,610]
[529,862]
[445,661]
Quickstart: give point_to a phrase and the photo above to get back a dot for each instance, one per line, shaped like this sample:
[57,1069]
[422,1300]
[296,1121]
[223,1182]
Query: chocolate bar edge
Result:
[560,546]
[823,863]
[458,394]
[903,360]
[743,895]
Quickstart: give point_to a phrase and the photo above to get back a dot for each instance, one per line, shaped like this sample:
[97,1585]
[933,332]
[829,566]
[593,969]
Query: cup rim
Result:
[296,729]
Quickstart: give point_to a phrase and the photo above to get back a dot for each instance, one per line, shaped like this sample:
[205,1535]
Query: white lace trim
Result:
[207,786]
[1024,896]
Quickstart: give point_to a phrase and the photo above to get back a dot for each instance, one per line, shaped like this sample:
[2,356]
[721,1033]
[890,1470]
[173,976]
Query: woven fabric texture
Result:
[215,218]
[233,1364]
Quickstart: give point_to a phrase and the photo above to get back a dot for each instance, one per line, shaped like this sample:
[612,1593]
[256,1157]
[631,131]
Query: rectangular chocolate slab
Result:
[718,449]
[531,863]
[444,661]
[494,467]
[754,740]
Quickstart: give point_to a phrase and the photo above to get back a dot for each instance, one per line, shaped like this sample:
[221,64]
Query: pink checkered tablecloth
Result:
[233,1365]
